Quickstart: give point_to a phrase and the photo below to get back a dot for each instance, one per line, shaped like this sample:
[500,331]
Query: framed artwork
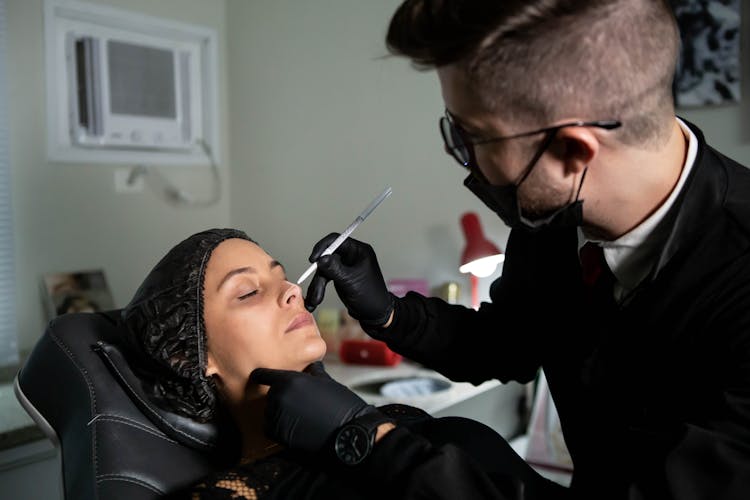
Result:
[79,291]
[709,67]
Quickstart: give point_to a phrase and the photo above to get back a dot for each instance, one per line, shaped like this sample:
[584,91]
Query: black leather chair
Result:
[78,387]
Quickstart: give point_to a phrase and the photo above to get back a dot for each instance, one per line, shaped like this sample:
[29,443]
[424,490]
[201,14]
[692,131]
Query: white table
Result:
[491,402]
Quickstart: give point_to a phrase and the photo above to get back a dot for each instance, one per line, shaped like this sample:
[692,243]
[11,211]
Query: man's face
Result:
[505,162]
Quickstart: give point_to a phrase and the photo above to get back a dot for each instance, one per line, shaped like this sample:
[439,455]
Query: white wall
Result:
[321,122]
[67,216]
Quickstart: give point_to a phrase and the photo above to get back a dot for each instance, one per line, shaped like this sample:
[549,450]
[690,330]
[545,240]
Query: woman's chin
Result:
[318,349]
[314,350]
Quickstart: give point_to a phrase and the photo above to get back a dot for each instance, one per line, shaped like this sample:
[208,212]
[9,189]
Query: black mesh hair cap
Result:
[166,327]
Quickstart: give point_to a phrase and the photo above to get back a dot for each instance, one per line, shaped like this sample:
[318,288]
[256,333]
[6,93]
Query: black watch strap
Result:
[355,440]
[372,420]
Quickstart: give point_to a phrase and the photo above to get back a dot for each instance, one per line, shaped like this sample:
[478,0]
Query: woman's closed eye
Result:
[247,295]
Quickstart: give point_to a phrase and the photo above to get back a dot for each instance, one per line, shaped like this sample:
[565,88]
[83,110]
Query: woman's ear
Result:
[211,368]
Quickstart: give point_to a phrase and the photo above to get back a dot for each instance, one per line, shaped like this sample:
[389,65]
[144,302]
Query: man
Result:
[562,112]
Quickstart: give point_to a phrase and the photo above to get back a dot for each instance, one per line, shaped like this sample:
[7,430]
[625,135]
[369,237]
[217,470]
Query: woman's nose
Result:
[292,294]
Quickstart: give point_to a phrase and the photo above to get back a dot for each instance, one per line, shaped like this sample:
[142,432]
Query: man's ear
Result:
[576,147]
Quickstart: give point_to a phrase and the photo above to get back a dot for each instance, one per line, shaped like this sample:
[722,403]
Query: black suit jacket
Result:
[653,396]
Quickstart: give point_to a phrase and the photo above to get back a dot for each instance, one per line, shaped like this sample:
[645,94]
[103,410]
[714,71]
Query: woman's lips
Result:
[299,321]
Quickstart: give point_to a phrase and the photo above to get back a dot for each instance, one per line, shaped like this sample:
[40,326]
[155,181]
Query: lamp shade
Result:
[480,256]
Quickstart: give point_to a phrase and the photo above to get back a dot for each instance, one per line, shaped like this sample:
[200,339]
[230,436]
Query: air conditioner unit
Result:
[128,88]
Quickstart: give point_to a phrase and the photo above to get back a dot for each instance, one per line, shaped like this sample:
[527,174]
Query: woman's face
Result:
[254,317]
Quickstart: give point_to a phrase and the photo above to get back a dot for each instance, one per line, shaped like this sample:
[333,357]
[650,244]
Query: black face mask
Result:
[503,200]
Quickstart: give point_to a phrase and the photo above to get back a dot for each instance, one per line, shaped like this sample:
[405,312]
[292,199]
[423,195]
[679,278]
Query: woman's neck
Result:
[249,417]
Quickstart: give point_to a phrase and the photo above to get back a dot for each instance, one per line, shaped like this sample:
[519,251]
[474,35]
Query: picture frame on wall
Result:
[708,72]
[78,291]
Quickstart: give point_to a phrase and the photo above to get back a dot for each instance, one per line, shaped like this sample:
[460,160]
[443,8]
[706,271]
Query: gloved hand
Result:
[304,409]
[355,273]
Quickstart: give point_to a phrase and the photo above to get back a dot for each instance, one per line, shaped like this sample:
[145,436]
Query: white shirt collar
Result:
[632,255]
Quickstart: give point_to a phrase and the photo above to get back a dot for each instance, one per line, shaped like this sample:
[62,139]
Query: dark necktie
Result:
[598,279]
[600,309]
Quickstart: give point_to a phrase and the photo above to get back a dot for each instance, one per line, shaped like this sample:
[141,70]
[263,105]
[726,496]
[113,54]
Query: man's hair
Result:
[539,61]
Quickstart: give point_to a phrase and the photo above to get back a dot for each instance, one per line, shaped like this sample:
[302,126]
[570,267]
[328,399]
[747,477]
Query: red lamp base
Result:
[474,291]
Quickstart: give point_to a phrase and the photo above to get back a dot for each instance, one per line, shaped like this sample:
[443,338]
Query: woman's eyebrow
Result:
[247,269]
[276,263]
[234,272]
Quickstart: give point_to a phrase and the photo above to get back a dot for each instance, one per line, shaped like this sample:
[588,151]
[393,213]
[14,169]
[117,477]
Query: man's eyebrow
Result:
[462,124]
[235,272]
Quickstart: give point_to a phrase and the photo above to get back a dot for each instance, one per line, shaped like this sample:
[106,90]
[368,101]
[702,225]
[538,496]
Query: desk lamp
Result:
[480,256]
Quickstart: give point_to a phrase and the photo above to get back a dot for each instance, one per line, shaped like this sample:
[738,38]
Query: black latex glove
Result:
[304,409]
[355,273]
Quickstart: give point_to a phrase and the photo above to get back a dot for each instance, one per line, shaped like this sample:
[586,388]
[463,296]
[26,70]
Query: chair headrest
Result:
[199,436]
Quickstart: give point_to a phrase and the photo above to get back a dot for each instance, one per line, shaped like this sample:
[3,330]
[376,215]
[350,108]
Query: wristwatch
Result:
[356,438]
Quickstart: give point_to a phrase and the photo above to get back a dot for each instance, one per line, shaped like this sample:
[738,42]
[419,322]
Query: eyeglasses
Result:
[461,148]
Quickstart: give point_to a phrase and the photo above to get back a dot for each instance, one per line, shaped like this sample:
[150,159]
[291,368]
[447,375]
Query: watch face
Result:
[353,444]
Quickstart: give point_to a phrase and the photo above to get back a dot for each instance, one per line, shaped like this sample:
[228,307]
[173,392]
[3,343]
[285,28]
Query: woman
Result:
[216,307]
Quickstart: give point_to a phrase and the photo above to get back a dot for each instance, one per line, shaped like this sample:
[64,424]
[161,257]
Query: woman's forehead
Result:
[236,252]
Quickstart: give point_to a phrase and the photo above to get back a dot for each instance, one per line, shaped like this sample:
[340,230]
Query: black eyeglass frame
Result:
[467,145]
